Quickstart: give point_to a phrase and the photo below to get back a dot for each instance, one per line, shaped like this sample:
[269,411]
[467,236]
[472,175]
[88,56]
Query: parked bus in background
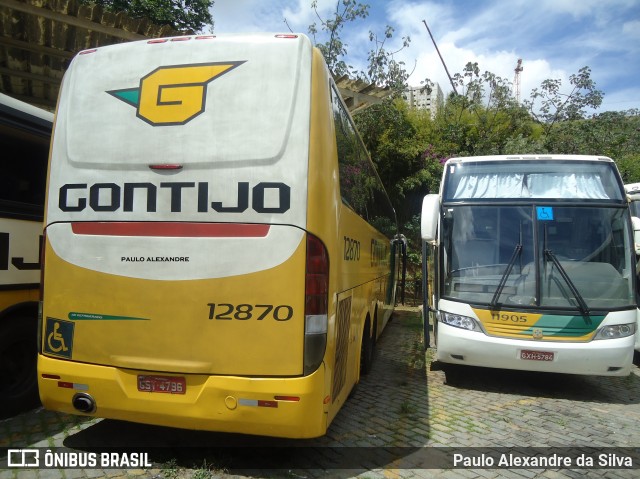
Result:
[633,194]
[214,256]
[529,265]
[25,134]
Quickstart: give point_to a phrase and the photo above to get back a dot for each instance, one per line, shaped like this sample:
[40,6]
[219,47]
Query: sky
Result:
[554,38]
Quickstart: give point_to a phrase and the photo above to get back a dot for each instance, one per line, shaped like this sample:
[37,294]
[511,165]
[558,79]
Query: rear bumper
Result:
[214,403]
[610,357]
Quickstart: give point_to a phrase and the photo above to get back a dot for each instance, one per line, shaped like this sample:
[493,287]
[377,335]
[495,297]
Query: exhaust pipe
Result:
[84,403]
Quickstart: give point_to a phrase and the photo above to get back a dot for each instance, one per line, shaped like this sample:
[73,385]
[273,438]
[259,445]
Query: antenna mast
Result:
[441,59]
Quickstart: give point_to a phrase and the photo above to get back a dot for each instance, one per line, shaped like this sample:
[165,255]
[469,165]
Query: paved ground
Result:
[405,404]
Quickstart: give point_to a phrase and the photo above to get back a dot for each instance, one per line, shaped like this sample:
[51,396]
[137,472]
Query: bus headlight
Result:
[459,321]
[616,331]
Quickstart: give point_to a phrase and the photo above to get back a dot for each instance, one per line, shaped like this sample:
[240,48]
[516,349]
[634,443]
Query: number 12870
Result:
[245,312]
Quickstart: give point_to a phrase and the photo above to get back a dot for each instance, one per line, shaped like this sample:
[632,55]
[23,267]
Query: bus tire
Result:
[18,365]
[435,333]
[366,351]
[425,330]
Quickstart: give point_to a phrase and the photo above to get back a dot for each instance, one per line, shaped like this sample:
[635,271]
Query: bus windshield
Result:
[576,180]
[561,257]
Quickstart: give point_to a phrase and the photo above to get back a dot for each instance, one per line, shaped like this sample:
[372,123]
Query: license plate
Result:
[162,384]
[529,355]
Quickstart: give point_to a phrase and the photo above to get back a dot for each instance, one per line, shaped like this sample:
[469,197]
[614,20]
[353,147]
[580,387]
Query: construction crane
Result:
[441,59]
[516,80]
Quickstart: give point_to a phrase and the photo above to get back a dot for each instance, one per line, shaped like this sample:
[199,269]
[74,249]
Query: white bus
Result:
[529,265]
[633,194]
[25,134]
[220,253]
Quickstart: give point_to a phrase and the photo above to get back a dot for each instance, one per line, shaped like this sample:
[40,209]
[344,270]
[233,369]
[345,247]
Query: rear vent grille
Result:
[342,346]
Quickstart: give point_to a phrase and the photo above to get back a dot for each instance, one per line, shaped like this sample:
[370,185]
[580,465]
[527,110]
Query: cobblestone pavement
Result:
[403,405]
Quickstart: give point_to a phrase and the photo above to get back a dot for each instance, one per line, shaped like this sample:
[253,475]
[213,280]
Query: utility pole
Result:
[441,59]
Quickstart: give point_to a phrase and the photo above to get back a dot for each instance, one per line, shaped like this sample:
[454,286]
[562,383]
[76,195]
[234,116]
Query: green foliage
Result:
[549,105]
[520,144]
[332,48]
[382,69]
[170,469]
[399,141]
[629,166]
[186,15]
[485,118]
[613,134]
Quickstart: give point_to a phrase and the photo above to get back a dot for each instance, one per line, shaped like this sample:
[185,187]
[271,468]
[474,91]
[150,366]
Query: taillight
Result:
[316,304]
[43,246]
[166,166]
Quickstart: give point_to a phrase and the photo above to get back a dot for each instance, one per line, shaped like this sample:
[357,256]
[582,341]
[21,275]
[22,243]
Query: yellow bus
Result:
[214,251]
[25,133]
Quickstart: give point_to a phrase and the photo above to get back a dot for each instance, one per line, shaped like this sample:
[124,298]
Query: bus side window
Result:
[357,180]
[24,170]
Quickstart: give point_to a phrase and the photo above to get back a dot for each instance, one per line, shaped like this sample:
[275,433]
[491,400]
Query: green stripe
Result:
[102,317]
[566,326]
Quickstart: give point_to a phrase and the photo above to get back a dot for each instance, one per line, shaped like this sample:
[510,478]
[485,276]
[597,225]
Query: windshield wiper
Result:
[516,252]
[584,309]
[548,253]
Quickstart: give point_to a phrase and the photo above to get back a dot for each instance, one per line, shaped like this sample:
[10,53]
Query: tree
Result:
[333,50]
[400,143]
[555,106]
[382,68]
[483,118]
[186,15]
[612,133]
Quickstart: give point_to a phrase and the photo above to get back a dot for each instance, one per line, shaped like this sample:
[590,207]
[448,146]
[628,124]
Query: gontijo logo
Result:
[174,94]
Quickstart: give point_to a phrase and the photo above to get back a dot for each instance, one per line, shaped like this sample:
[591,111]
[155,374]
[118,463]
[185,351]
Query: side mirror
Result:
[635,224]
[429,217]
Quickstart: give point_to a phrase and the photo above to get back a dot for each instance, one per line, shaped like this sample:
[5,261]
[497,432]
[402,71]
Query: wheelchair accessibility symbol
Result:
[545,213]
[59,337]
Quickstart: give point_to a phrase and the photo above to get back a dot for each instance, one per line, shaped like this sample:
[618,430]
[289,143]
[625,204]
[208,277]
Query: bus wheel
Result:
[18,365]
[435,333]
[425,331]
[366,351]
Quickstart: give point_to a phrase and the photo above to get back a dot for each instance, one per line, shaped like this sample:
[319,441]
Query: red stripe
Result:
[174,230]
